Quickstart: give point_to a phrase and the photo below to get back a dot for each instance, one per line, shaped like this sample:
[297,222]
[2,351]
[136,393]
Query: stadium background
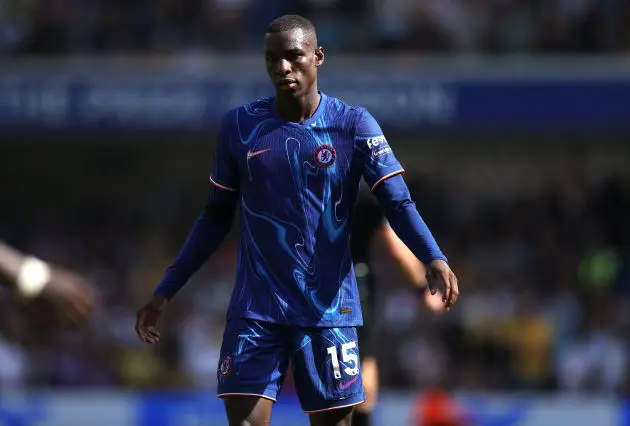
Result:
[511,116]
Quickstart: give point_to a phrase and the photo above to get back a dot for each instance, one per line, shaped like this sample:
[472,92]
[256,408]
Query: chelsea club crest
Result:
[225,368]
[325,156]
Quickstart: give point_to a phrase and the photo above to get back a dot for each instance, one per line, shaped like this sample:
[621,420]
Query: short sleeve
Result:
[224,170]
[375,156]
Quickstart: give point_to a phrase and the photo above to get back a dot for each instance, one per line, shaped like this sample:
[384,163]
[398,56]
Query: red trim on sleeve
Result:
[387,176]
[218,185]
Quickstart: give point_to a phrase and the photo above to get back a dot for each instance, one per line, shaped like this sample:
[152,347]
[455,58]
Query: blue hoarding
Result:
[401,97]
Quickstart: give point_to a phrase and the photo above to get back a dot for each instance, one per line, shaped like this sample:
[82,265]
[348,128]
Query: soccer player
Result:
[294,161]
[380,258]
[70,295]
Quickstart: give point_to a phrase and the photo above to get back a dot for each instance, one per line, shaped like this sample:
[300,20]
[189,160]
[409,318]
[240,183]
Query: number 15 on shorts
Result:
[348,357]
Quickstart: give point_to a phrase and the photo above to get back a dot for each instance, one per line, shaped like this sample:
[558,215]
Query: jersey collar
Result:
[310,121]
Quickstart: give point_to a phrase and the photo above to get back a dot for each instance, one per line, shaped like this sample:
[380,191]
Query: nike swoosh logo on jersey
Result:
[251,153]
[346,385]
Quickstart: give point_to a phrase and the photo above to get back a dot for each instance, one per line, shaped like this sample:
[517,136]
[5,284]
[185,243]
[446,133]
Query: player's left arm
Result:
[383,173]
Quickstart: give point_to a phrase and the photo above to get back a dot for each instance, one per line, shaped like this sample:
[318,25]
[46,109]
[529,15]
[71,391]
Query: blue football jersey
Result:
[298,184]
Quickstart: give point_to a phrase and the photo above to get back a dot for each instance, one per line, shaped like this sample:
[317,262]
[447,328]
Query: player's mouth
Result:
[287,83]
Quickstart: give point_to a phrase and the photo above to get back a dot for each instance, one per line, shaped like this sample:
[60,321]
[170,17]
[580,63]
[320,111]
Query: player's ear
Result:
[319,56]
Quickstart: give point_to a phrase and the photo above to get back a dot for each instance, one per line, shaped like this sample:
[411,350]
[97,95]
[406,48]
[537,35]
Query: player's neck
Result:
[297,109]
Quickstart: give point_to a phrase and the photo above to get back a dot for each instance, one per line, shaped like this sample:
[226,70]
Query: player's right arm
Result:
[209,230]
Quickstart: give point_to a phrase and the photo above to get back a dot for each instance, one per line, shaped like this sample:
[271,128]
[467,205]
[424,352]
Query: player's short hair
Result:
[292,22]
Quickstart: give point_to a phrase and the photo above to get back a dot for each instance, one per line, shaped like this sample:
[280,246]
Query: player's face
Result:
[292,58]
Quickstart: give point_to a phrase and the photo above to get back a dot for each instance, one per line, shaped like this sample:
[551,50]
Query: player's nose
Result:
[283,67]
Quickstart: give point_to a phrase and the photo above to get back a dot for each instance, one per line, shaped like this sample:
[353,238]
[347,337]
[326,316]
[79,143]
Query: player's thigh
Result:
[338,417]
[254,359]
[361,419]
[327,370]
[248,410]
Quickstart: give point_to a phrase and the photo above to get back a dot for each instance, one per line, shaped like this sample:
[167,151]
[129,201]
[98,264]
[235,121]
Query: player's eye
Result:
[295,55]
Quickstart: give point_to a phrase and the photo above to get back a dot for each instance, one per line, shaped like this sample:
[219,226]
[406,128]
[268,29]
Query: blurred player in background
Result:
[437,408]
[381,259]
[295,161]
[55,294]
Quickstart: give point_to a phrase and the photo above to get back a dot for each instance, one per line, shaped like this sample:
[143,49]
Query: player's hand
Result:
[147,318]
[433,302]
[70,296]
[440,277]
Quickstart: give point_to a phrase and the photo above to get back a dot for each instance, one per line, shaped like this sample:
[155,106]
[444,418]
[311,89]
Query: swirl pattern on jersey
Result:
[294,263]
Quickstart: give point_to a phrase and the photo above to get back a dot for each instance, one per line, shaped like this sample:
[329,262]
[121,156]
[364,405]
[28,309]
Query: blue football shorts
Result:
[255,356]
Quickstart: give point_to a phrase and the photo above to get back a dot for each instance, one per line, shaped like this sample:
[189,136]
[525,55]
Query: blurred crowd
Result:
[545,285]
[545,279]
[491,26]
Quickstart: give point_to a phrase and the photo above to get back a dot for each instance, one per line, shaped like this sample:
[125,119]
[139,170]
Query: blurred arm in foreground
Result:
[69,295]
[410,269]
[434,407]
[394,257]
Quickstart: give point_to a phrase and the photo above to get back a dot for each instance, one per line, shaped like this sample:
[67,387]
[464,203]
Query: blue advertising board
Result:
[124,408]
[400,97]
